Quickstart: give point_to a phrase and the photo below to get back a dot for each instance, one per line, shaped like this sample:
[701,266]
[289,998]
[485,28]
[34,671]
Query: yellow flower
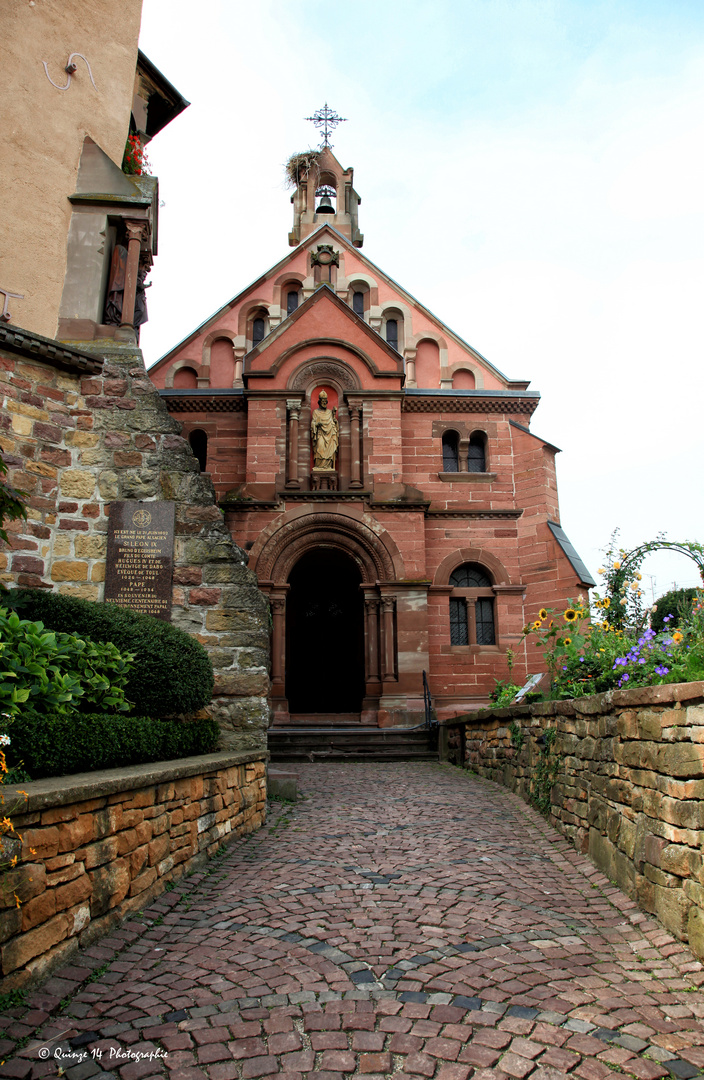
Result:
[537,624]
[606,603]
[677,637]
[617,566]
[526,630]
[601,570]
[622,600]
[542,614]
[570,615]
[639,577]
[567,641]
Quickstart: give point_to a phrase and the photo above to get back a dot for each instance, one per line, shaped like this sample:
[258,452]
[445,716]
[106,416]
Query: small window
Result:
[450,452]
[358,303]
[469,576]
[471,606]
[257,331]
[291,302]
[484,618]
[476,456]
[199,445]
[459,632]
[392,333]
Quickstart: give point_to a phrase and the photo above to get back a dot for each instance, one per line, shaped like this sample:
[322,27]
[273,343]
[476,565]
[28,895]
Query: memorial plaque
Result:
[140,557]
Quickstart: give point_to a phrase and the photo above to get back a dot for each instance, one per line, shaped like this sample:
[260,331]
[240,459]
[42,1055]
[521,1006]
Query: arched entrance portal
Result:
[325,634]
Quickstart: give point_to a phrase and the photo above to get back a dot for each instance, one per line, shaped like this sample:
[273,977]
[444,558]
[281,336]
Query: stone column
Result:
[471,621]
[371,644]
[278,646]
[239,365]
[388,673]
[410,355]
[463,454]
[137,231]
[355,462]
[294,414]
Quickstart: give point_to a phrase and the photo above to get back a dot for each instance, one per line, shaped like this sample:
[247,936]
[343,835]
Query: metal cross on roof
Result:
[326,120]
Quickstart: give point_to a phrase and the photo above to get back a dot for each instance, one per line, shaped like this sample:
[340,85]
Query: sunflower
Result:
[567,641]
[526,630]
[570,615]
[543,614]
[606,603]
[537,624]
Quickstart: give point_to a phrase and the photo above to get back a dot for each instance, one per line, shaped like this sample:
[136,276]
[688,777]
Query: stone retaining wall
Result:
[81,428]
[629,787]
[97,846]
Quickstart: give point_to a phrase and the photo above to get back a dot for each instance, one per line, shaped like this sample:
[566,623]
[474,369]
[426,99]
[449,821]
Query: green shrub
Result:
[172,672]
[56,744]
[56,672]
[677,604]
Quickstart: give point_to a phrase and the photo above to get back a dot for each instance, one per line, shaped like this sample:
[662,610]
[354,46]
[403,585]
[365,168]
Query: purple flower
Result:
[661,670]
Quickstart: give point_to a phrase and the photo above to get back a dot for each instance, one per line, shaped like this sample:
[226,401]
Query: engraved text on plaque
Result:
[139,564]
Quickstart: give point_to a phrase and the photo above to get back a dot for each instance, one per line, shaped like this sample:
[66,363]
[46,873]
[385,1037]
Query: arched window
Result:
[392,333]
[199,445]
[450,452]
[291,301]
[358,303]
[476,455]
[257,331]
[471,606]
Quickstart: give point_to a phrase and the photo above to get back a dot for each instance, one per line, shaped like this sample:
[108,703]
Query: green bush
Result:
[56,672]
[172,672]
[56,744]
[676,603]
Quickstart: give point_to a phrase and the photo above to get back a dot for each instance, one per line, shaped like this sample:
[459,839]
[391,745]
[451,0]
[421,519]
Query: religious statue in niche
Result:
[325,438]
[116,291]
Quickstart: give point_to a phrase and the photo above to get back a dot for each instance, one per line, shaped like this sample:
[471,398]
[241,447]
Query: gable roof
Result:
[323,230]
[324,295]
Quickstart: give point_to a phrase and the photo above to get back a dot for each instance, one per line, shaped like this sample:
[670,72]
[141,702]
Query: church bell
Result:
[325,206]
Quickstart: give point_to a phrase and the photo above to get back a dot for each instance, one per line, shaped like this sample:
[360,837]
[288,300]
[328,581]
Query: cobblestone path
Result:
[402,920]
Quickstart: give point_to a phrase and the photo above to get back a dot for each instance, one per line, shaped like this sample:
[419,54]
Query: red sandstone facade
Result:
[445,508]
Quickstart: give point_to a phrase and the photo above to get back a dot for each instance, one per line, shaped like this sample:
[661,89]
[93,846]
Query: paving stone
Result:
[408,917]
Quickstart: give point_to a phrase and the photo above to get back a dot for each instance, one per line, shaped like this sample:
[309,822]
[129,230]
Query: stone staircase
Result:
[332,743]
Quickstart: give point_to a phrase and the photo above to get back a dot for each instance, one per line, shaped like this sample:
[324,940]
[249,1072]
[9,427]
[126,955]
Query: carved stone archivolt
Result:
[282,550]
[324,371]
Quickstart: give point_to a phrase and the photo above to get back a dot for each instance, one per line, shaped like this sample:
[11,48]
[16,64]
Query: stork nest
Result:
[300,166]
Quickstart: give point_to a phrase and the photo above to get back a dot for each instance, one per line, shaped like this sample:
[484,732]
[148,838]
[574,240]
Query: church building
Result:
[397,508]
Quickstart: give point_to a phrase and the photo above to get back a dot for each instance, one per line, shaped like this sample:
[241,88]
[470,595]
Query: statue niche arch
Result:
[308,565]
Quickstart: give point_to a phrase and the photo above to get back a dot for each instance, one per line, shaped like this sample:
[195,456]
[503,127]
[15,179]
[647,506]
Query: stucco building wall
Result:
[44,130]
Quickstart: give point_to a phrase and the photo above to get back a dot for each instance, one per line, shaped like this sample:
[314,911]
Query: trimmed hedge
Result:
[56,744]
[172,672]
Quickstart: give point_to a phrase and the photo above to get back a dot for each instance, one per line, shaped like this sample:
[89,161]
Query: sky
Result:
[531,170]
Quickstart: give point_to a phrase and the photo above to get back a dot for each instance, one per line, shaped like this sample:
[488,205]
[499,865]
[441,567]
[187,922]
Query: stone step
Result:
[352,744]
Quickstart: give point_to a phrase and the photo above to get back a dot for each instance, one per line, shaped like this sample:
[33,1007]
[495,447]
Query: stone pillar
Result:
[294,415]
[388,673]
[355,462]
[239,365]
[463,455]
[137,231]
[278,646]
[410,355]
[471,621]
[371,644]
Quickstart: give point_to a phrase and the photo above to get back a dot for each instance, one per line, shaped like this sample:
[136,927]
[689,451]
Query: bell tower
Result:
[324,191]
[324,194]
